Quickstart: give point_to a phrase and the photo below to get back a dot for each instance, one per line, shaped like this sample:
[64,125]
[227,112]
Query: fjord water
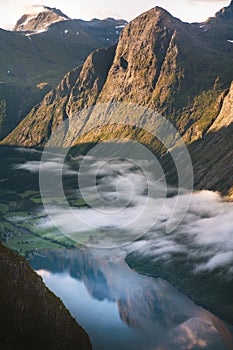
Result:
[119,308]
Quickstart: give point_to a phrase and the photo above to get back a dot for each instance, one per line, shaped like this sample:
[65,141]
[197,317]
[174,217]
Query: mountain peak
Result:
[39,19]
[159,16]
[157,10]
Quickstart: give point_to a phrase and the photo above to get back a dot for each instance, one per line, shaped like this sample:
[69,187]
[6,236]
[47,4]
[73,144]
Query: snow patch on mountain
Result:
[40,18]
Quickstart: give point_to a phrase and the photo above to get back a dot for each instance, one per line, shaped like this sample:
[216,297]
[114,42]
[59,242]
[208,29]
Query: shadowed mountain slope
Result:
[32,317]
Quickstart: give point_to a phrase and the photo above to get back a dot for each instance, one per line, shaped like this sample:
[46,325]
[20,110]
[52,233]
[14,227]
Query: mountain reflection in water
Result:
[121,309]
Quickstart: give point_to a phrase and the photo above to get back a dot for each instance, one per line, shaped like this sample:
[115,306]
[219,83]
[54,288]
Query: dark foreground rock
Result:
[31,316]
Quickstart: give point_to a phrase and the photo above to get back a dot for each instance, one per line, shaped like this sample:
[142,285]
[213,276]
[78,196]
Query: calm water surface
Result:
[121,309]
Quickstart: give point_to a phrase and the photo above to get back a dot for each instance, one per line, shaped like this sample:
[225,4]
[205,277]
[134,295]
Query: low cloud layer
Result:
[205,235]
[127,212]
[49,167]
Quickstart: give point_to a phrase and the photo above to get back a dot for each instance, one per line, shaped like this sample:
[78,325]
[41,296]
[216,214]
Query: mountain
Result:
[222,18]
[32,317]
[225,117]
[78,89]
[219,27]
[212,153]
[41,20]
[181,70]
[32,62]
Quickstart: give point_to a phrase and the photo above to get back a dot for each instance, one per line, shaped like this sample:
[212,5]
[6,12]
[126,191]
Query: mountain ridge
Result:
[160,62]
[156,66]
[33,63]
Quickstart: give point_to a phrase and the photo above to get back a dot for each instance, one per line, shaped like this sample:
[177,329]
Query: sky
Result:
[186,10]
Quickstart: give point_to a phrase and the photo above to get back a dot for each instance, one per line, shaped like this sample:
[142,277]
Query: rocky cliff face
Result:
[80,88]
[225,117]
[31,316]
[212,153]
[170,66]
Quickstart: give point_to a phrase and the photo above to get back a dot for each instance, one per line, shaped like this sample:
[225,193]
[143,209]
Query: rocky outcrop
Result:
[225,117]
[212,160]
[212,153]
[31,316]
[91,80]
